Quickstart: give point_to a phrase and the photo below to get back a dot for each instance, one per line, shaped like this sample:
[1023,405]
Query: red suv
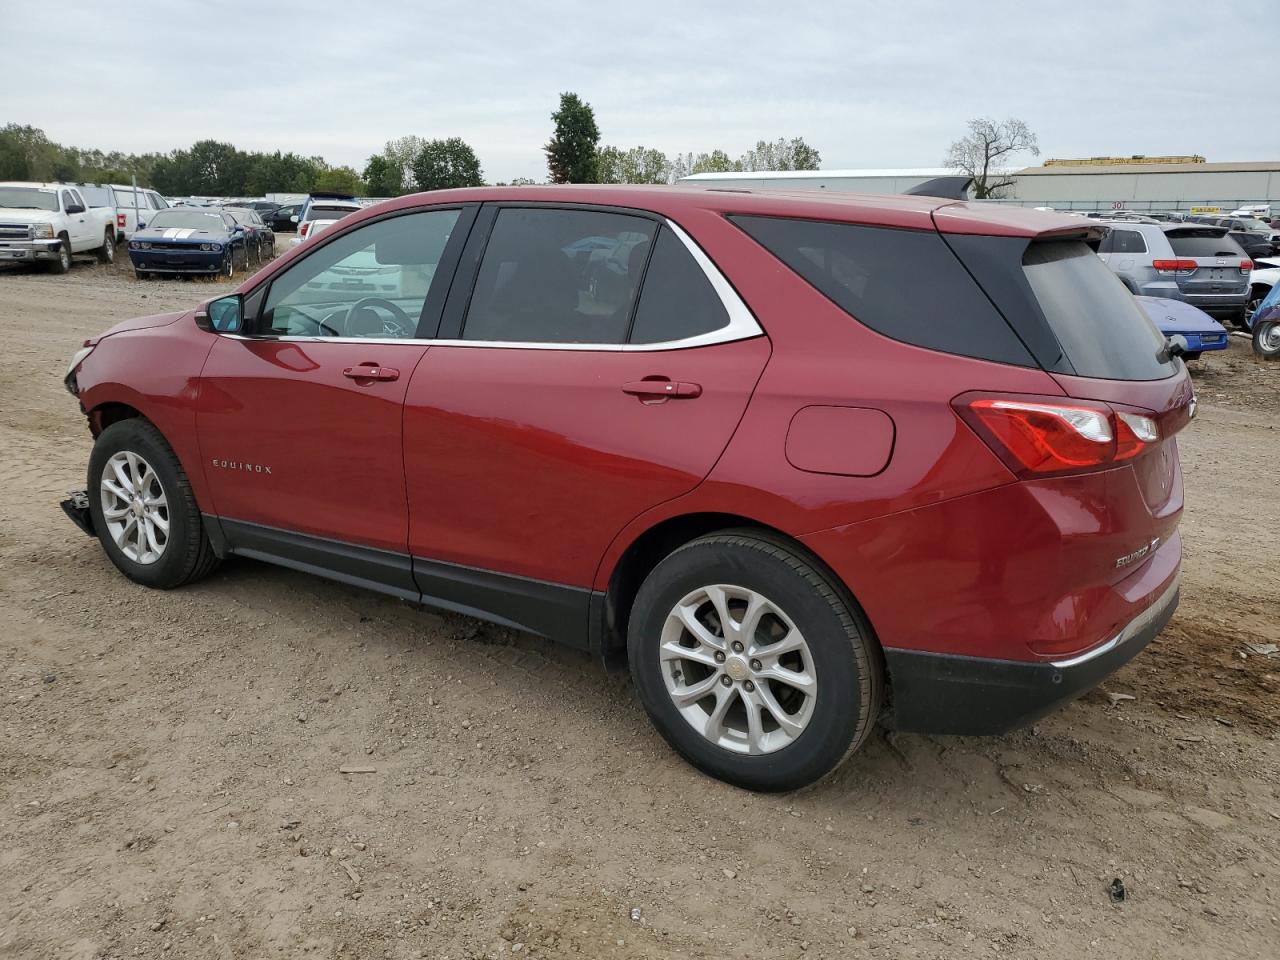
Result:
[803,460]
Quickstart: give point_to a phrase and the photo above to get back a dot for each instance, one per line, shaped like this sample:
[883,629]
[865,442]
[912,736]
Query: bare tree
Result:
[983,153]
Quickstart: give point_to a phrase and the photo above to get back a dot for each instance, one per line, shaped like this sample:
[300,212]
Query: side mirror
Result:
[221,316]
[74,208]
[294,218]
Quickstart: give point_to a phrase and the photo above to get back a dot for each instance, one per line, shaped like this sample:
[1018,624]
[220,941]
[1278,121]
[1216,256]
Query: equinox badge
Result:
[1138,554]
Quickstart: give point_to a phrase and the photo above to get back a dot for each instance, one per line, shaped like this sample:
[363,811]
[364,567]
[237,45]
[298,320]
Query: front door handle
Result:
[371,371]
[650,390]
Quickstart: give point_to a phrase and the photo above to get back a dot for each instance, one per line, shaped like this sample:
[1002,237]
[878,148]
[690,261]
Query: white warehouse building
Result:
[1134,186]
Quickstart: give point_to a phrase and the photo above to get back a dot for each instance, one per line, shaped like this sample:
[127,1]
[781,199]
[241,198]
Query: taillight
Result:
[120,220]
[1246,266]
[303,228]
[1044,436]
[1175,266]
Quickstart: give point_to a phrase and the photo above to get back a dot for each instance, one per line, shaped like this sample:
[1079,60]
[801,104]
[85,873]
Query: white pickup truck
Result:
[48,222]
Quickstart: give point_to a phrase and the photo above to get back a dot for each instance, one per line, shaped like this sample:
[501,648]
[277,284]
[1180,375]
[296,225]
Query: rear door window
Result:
[559,276]
[678,301]
[1203,243]
[905,284]
[1103,331]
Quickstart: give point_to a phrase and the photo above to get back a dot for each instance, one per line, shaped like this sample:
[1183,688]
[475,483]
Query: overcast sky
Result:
[870,84]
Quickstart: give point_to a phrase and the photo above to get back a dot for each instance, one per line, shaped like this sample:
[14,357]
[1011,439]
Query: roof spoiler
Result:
[944,188]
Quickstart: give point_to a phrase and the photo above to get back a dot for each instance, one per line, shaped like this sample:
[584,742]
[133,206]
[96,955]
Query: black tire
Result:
[107,252]
[1257,293]
[187,555]
[1191,355]
[1266,339]
[229,265]
[846,658]
[63,263]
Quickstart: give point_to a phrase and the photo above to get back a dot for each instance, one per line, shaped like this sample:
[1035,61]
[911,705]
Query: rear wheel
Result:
[751,663]
[143,509]
[1266,339]
[107,252]
[1257,294]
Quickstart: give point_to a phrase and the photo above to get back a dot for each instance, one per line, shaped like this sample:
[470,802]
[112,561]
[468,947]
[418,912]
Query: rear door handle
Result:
[371,371]
[662,389]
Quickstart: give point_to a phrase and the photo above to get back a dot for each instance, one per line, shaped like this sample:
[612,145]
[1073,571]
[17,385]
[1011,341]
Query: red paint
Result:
[530,461]
[551,463]
[332,442]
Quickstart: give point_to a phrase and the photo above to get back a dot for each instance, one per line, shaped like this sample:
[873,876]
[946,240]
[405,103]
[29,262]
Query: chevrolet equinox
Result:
[804,462]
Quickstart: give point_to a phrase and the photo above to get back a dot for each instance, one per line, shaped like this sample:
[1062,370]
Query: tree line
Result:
[404,165]
[409,164]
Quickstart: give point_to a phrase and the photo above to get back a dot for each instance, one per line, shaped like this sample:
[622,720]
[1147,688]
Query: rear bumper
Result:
[948,694]
[1201,342]
[1219,305]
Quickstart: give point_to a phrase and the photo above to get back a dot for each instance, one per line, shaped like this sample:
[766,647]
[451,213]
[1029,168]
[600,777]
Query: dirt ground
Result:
[171,785]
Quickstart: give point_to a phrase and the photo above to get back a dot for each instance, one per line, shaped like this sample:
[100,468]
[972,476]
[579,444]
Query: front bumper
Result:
[178,261]
[973,696]
[29,250]
[76,506]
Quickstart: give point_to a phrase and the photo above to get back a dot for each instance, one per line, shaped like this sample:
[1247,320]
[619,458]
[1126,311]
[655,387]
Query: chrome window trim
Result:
[742,323]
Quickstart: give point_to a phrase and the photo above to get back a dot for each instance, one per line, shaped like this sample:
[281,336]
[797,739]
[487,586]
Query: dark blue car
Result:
[1201,331]
[199,240]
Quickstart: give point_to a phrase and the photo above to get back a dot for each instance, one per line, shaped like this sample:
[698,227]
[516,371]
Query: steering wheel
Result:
[399,326]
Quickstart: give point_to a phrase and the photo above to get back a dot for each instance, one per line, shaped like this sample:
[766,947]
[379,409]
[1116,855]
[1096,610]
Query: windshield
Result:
[97,196]
[28,198]
[1256,226]
[187,219]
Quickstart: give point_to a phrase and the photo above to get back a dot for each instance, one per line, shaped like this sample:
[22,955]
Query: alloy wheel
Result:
[738,669]
[134,507]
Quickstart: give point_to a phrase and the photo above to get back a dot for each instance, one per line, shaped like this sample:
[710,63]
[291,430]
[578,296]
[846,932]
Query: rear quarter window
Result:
[905,284]
[1102,330]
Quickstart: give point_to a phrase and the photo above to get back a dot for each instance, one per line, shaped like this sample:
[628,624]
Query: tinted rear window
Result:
[1203,243]
[1103,331]
[905,284]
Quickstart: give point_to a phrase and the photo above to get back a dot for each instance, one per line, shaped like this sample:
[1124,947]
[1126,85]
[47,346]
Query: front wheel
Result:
[752,663]
[143,509]
[229,265]
[63,263]
[1266,338]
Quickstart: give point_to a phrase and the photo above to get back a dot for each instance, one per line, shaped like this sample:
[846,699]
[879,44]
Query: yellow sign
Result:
[1202,210]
